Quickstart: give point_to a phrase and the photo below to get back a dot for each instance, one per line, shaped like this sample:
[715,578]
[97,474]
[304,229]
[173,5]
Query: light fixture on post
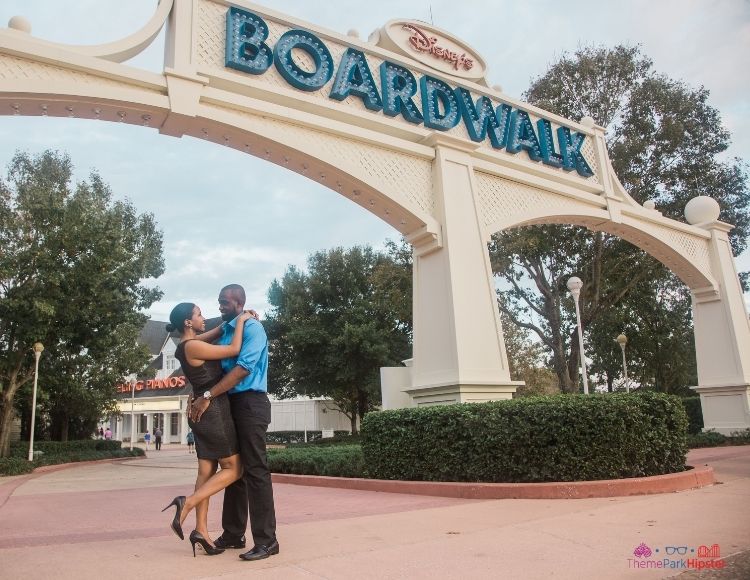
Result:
[132,415]
[38,348]
[574,286]
[622,340]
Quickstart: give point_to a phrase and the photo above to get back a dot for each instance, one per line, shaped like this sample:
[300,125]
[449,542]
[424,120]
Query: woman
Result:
[215,436]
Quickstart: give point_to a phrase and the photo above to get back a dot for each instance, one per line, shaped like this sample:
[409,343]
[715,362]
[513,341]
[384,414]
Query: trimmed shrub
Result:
[713,439]
[534,439]
[339,439]
[21,448]
[706,439]
[333,461]
[290,437]
[17,465]
[740,437]
[695,414]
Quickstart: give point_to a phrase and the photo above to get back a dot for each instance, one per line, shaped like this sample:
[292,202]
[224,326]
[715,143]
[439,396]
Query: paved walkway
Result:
[103,521]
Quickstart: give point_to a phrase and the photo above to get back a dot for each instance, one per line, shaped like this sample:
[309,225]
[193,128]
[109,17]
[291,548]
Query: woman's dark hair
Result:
[180,313]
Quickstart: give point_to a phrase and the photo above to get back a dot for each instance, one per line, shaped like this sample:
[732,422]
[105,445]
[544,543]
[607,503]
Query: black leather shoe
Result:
[221,542]
[261,552]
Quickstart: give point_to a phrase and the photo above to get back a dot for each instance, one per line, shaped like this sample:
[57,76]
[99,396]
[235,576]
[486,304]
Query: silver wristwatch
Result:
[207,395]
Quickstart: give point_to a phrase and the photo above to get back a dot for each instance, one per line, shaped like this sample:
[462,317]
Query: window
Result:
[170,363]
[174,423]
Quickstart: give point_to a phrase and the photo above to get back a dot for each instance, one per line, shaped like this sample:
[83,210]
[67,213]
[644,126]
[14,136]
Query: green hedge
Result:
[290,437]
[340,438]
[334,461]
[695,414]
[534,439]
[21,448]
[56,452]
[713,439]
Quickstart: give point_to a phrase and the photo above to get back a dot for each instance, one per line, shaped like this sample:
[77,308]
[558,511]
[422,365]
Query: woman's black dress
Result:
[215,436]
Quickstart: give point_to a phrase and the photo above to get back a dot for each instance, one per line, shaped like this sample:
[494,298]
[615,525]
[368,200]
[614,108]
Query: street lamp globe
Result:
[574,284]
[622,340]
[38,348]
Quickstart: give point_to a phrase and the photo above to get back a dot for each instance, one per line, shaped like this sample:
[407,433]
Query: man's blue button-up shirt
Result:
[253,356]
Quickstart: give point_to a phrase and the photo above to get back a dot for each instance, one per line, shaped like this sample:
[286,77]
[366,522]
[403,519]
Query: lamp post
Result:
[38,348]
[132,415]
[622,340]
[574,286]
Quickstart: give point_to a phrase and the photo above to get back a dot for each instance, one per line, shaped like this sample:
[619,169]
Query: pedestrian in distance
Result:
[108,434]
[157,439]
[147,440]
[215,436]
[190,441]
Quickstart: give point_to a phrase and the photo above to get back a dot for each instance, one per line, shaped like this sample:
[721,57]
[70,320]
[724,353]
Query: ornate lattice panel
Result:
[388,171]
[502,199]
[694,248]
[210,54]
[18,69]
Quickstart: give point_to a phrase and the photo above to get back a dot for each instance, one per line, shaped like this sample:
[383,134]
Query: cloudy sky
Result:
[216,233]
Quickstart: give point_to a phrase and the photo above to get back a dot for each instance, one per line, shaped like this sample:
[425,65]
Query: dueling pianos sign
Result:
[439,107]
[151,384]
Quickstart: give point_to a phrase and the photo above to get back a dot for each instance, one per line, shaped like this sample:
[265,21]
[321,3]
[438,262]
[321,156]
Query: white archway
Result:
[406,126]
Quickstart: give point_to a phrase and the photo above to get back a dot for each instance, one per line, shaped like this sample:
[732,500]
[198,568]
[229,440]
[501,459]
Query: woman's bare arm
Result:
[197,351]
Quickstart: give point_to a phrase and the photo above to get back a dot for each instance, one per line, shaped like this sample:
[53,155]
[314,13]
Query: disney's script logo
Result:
[423,43]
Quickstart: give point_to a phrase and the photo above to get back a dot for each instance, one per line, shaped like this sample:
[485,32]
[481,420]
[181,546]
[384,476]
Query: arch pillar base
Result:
[398,393]
[462,393]
[726,409]
[722,341]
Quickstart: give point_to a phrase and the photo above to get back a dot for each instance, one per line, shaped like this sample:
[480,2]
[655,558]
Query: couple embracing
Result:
[229,413]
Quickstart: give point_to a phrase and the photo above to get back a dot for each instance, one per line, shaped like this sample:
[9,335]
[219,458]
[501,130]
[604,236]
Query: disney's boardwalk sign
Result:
[405,126]
[439,106]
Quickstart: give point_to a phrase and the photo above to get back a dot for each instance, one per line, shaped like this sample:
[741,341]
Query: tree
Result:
[526,360]
[332,328]
[71,265]
[660,350]
[665,141]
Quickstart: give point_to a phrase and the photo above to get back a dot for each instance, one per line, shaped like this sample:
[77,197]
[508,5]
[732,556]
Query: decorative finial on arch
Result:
[20,24]
[702,210]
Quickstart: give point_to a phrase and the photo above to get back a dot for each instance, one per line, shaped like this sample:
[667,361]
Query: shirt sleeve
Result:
[253,343]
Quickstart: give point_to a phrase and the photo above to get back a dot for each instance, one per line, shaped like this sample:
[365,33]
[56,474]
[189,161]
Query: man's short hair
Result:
[238,292]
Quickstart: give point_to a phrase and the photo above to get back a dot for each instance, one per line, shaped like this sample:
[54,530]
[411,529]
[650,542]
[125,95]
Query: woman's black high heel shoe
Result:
[197,538]
[179,503]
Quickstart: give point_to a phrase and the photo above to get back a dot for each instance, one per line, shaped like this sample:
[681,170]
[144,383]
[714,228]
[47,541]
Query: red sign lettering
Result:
[423,43]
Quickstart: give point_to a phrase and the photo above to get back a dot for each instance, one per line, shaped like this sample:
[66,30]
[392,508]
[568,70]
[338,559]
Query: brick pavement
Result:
[103,521]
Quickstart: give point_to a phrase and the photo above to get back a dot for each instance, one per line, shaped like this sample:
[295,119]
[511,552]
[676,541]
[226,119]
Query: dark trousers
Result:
[158,443]
[252,493]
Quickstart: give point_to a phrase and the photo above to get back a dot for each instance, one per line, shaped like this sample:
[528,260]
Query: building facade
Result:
[161,401]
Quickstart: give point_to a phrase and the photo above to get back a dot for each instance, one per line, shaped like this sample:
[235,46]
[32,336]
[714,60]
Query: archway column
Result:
[459,352]
[722,341]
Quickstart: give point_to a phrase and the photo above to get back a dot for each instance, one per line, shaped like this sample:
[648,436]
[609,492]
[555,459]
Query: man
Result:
[157,439]
[108,434]
[246,381]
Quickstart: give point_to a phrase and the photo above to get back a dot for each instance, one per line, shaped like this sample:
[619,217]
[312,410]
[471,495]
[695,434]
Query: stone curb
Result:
[693,478]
